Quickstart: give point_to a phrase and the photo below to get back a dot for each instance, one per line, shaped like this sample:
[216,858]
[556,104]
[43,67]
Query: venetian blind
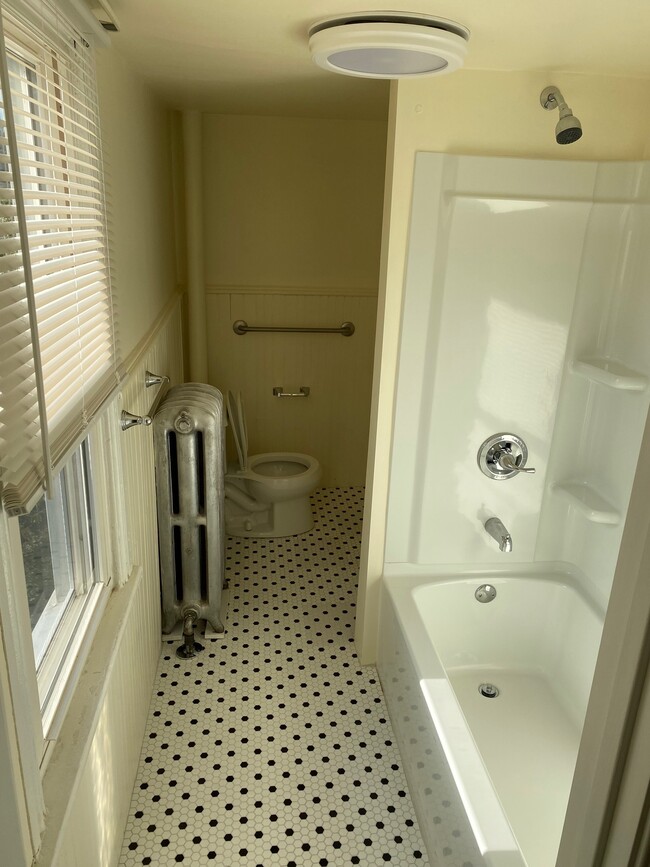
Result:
[58,344]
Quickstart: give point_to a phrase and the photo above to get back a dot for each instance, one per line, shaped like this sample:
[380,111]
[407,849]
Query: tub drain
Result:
[488,690]
[485,593]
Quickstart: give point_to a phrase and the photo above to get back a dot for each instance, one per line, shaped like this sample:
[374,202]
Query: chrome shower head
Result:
[568,128]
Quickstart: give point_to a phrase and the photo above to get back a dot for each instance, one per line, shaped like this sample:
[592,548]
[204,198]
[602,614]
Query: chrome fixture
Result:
[242,327]
[278,391]
[154,379]
[129,419]
[496,529]
[485,593]
[503,456]
[568,128]
[488,690]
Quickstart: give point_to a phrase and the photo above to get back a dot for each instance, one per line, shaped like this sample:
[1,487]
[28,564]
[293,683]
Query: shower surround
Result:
[525,312]
[274,746]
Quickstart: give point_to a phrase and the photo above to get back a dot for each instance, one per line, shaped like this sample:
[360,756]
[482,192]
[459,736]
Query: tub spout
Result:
[495,528]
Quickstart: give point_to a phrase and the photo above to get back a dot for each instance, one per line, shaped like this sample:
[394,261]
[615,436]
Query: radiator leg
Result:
[189,648]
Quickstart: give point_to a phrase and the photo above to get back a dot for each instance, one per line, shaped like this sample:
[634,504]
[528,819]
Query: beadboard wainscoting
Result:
[332,423]
[161,354]
[96,758]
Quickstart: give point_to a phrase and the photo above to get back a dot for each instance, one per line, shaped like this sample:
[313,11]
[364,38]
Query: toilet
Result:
[267,495]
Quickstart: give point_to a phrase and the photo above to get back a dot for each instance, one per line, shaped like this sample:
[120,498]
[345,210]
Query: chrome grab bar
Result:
[242,327]
[278,391]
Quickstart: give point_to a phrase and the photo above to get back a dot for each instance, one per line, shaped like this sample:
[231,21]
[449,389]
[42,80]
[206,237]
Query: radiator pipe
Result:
[193,166]
[189,648]
[242,499]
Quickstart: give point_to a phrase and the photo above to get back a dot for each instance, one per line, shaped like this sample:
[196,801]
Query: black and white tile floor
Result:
[273,747]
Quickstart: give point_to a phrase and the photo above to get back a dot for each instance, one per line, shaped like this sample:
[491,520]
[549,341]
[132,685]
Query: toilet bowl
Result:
[267,495]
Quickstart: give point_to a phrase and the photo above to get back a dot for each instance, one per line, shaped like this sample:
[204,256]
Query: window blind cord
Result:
[21,217]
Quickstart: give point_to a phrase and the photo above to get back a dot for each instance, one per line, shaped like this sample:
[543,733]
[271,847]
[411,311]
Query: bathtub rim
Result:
[412,575]
[490,824]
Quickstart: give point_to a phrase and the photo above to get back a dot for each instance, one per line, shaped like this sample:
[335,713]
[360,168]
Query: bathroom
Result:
[151,73]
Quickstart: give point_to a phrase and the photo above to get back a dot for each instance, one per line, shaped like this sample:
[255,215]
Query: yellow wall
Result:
[473,112]
[292,201]
[292,237]
[136,133]
[470,112]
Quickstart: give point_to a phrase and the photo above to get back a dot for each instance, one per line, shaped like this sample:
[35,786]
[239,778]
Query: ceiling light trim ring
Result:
[412,19]
[387,42]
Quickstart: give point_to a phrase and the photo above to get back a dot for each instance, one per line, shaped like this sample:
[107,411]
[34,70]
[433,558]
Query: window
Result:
[62,574]
[59,362]
[61,529]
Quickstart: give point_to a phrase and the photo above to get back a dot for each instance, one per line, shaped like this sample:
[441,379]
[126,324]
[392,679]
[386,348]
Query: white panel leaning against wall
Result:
[60,372]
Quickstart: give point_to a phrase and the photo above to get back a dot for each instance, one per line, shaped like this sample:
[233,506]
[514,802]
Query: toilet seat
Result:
[276,467]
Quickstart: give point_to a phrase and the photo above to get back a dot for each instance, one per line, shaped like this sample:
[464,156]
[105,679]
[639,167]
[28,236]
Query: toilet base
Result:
[289,518]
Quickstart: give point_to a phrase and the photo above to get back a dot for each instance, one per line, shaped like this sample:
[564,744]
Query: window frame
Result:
[49,685]
[113,561]
[58,670]
[76,636]
[75,567]
[94,602]
[28,747]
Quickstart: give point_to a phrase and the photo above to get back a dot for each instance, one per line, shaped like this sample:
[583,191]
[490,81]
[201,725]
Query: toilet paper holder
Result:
[278,391]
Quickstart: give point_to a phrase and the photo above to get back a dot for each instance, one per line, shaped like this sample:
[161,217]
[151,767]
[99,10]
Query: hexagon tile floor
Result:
[273,746]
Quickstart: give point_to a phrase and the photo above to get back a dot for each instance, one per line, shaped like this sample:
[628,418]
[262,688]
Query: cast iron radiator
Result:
[189,445]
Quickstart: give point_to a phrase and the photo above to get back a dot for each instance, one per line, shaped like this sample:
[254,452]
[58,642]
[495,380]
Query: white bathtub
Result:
[490,777]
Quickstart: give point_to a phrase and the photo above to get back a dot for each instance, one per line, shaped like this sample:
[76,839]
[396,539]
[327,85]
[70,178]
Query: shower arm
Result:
[553,100]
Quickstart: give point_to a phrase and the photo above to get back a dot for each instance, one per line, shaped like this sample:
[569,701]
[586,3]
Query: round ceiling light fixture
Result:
[388,45]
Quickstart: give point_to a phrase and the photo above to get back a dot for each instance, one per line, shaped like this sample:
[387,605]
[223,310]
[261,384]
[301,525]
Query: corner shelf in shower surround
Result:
[608,371]
[588,501]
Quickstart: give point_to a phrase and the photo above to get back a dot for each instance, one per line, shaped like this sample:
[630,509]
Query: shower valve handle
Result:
[507,462]
[503,456]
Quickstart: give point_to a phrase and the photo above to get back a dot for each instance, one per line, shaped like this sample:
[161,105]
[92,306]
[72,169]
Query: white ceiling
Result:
[251,56]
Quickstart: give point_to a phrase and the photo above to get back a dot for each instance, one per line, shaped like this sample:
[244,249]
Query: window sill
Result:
[66,757]
[70,664]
